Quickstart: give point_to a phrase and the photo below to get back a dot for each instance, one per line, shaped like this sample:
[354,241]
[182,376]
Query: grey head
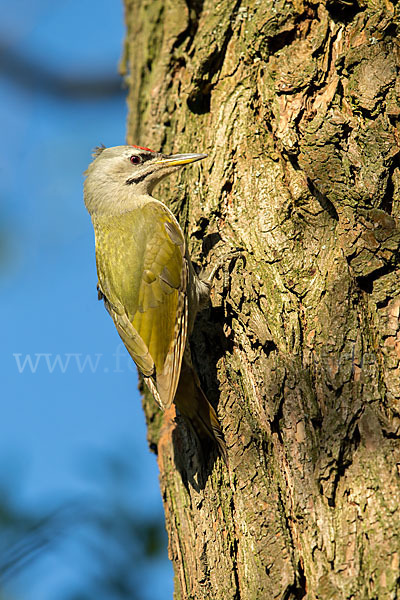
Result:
[117,176]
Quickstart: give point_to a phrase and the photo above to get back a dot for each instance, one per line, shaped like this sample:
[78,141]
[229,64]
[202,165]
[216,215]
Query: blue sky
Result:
[52,421]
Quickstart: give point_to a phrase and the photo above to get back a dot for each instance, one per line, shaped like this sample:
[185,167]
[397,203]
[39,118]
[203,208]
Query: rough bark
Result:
[297,104]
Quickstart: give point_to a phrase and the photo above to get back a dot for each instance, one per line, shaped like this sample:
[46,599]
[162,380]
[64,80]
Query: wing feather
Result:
[143,277]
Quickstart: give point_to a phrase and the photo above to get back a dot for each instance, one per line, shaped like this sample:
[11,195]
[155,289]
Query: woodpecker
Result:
[146,278]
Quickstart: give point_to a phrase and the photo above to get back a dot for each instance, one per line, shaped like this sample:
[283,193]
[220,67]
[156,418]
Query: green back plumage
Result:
[142,274]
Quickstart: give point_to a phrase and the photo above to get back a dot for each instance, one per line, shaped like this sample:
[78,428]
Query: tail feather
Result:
[193,404]
[207,419]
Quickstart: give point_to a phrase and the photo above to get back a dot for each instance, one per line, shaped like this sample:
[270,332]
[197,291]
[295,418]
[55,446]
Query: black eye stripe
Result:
[143,156]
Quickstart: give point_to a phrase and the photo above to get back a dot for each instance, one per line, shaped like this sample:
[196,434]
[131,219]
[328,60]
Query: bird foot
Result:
[223,263]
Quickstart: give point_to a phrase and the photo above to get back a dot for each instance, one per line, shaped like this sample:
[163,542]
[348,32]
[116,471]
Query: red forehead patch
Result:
[142,148]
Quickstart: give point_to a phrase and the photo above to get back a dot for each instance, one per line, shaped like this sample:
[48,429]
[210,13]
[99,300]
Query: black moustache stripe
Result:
[136,179]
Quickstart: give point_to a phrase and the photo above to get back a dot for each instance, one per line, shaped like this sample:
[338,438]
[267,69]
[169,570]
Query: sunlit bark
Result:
[297,105]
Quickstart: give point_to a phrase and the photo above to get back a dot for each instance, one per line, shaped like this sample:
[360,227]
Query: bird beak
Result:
[175,160]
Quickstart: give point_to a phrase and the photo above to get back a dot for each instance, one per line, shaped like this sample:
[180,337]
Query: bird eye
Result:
[135,160]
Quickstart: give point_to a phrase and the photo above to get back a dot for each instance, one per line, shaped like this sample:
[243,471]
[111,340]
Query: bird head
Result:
[117,174]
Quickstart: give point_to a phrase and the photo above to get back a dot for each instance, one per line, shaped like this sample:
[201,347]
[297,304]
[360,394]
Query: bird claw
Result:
[224,263]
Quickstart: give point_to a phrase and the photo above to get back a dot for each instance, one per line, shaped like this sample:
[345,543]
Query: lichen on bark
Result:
[297,105]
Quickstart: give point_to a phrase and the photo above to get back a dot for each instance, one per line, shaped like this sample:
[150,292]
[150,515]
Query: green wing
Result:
[143,278]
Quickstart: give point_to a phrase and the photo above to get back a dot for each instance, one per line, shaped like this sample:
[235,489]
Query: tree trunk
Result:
[297,104]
